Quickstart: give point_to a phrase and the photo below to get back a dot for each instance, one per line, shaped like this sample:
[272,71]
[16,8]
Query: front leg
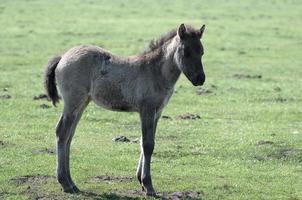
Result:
[148,124]
[140,161]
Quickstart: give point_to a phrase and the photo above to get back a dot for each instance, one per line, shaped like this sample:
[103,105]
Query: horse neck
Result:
[160,62]
[169,69]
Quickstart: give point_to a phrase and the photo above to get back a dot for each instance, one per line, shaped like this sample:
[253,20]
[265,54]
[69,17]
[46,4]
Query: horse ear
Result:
[201,30]
[182,31]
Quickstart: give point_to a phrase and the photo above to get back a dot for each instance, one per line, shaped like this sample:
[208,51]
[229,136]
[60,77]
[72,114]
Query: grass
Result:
[247,144]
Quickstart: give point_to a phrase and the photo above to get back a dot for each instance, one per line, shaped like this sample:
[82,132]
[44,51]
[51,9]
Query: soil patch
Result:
[112,178]
[44,106]
[44,151]
[34,186]
[4,143]
[181,195]
[189,116]
[120,138]
[36,179]
[92,195]
[247,76]
[164,195]
[166,117]
[291,152]
[264,142]
[5,96]
[283,154]
[40,96]
[280,99]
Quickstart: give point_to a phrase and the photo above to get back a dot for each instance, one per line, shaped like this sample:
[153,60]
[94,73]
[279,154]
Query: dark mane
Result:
[157,43]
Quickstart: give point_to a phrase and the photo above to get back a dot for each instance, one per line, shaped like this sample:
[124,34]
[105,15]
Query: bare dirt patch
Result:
[247,76]
[40,96]
[108,178]
[279,99]
[290,152]
[181,195]
[164,195]
[264,142]
[44,151]
[34,187]
[166,117]
[32,179]
[282,154]
[188,116]
[121,138]
[4,143]
[5,96]
[44,106]
[93,195]
[35,193]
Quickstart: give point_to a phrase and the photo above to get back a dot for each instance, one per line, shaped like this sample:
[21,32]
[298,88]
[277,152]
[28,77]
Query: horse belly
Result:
[107,95]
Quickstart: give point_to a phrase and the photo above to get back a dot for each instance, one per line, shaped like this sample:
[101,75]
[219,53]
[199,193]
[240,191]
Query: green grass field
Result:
[247,143]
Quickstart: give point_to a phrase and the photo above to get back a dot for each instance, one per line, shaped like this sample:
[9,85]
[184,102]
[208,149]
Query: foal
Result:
[143,83]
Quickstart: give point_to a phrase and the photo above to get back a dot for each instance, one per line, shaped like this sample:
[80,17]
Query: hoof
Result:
[76,189]
[151,194]
[72,190]
[149,190]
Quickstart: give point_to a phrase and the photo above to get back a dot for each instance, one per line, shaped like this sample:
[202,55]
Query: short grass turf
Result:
[247,143]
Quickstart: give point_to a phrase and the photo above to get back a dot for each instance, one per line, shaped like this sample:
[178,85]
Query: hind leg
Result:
[65,131]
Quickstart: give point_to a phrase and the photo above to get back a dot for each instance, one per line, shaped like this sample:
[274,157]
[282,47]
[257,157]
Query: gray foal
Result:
[142,83]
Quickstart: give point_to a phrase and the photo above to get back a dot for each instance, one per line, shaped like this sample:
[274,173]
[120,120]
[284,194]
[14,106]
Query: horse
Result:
[142,83]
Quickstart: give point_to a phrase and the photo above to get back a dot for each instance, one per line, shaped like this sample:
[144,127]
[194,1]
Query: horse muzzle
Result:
[198,80]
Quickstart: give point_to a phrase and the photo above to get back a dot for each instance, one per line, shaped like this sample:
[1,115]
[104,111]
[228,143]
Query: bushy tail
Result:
[50,80]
